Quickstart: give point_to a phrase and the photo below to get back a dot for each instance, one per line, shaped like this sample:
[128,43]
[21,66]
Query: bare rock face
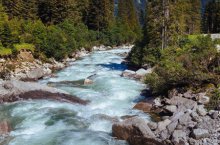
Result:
[143,106]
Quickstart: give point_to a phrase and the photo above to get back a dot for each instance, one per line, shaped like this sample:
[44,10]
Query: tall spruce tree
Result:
[128,15]
[211,18]
[54,11]
[100,14]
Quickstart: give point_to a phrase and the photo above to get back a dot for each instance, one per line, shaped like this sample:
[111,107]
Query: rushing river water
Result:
[47,122]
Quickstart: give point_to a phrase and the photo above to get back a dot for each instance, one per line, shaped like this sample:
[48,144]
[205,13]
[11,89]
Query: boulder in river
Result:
[88,82]
[128,73]
[5,127]
[11,91]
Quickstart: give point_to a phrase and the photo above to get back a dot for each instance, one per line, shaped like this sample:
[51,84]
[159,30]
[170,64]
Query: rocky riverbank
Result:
[184,121]
[26,68]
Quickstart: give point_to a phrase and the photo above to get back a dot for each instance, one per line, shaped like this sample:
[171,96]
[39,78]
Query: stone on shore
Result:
[200,133]
[132,127]
[35,74]
[143,106]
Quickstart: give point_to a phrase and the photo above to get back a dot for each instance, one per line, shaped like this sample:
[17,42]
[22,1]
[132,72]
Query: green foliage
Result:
[100,14]
[56,28]
[211,17]
[127,15]
[193,64]
[214,99]
[24,46]
[5,51]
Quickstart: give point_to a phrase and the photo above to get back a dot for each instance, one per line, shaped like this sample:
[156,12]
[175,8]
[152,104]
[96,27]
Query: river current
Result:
[111,97]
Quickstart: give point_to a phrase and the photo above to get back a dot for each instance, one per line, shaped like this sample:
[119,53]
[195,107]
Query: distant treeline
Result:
[58,27]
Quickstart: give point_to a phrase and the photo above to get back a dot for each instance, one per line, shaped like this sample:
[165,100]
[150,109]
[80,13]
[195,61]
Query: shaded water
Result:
[47,122]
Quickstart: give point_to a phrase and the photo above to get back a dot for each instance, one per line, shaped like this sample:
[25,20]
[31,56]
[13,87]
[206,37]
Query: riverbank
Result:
[182,118]
[26,68]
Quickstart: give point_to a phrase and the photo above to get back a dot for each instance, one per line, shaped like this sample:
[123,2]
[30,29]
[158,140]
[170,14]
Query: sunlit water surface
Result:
[46,122]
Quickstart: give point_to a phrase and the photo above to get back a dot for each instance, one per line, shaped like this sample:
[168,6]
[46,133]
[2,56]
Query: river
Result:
[46,122]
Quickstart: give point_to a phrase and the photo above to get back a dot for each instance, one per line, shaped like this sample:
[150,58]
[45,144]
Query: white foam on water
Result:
[54,123]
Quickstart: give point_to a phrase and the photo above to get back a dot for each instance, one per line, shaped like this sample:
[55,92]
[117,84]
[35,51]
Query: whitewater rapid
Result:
[47,122]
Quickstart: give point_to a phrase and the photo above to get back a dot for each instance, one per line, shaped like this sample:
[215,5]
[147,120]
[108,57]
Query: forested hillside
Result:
[173,43]
[57,27]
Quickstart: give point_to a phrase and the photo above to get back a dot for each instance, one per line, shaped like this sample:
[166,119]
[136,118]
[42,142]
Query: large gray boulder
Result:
[35,74]
[179,137]
[132,127]
[163,124]
[128,73]
[200,133]
[11,91]
[142,72]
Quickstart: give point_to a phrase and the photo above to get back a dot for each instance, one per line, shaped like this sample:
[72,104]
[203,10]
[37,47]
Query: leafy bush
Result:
[194,64]
[214,99]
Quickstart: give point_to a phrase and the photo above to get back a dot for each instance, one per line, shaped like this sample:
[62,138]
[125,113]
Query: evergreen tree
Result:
[100,14]
[6,37]
[12,7]
[54,11]
[211,18]
[128,15]
[29,9]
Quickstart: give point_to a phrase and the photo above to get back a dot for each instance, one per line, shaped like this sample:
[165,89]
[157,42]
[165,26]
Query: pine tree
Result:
[100,14]
[128,15]
[11,7]
[29,9]
[54,11]
[6,37]
[211,18]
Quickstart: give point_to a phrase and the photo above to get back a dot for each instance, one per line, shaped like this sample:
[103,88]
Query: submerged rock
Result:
[5,128]
[88,82]
[12,91]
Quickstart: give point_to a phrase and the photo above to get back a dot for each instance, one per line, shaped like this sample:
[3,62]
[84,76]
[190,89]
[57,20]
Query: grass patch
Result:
[24,46]
[5,51]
